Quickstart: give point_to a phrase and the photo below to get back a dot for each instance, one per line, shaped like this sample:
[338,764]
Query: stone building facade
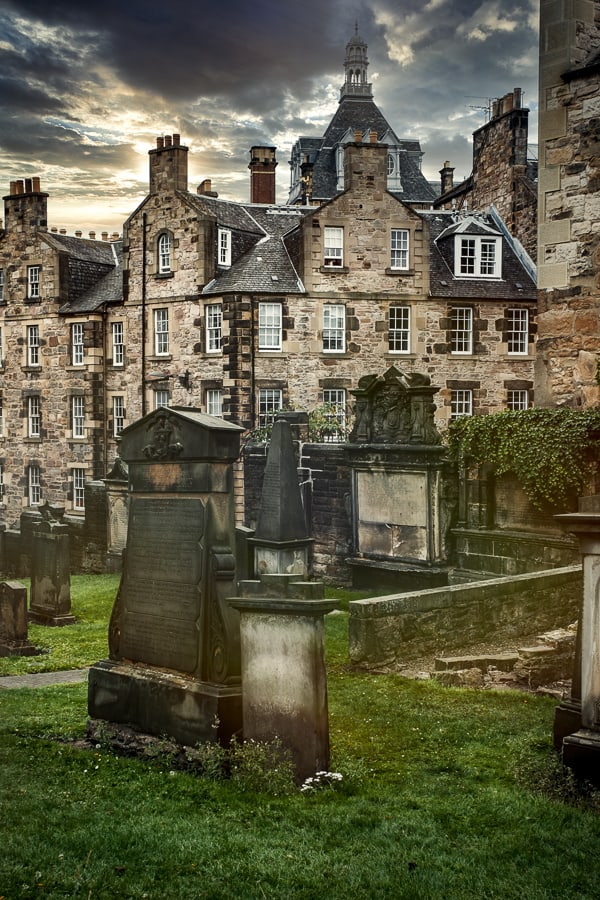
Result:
[503,174]
[240,309]
[569,204]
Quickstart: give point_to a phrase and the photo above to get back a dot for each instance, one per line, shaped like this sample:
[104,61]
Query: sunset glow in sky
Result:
[85,88]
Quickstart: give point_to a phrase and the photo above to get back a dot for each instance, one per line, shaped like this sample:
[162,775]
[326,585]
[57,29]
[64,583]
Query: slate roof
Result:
[362,114]
[95,274]
[516,282]
[265,268]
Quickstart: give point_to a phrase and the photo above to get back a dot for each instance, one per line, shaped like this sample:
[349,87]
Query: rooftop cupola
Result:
[356,65]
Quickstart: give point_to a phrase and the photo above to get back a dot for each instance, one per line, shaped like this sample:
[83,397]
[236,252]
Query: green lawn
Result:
[447,793]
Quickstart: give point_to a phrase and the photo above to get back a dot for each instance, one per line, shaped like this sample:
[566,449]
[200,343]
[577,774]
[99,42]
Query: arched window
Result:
[164,253]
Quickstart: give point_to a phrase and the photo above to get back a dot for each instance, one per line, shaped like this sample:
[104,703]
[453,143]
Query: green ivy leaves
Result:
[550,451]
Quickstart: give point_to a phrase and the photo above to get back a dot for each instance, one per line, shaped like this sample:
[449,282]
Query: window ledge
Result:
[334,270]
[32,440]
[399,272]
[31,370]
[160,276]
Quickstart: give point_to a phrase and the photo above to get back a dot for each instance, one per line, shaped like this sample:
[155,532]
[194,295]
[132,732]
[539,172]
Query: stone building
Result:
[504,173]
[239,309]
[569,204]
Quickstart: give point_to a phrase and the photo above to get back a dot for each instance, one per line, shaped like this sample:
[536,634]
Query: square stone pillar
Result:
[581,750]
[284,681]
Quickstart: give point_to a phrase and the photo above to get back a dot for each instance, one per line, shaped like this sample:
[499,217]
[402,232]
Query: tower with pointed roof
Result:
[317,163]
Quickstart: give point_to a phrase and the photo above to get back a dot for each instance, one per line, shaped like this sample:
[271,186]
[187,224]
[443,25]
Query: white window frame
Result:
[78,416]
[33,345]
[477,256]
[77,351]
[162,399]
[333,246]
[163,249]
[34,485]
[78,480]
[336,399]
[214,402]
[461,403]
[399,329]
[269,326]
[1,414]
[517,332]
[34,416]
[213,322]
[517,398]
[224,247]
[270,401]
[334,328]
[399,249]
[161,331]
[118,405]
[2,298]
[461,330]
[1,349]
[2,486]
[33,282]
[118,344]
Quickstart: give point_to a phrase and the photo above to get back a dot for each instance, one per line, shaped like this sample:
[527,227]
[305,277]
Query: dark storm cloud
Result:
[86,86]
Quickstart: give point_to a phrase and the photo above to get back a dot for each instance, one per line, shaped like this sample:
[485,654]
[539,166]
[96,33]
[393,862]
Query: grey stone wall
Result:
[393,629]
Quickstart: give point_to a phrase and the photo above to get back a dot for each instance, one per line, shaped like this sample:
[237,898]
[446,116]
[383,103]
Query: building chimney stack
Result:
[447,176]
[262,174]
[168,165]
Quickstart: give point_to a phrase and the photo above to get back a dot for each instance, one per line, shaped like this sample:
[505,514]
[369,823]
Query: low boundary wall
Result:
[392,629]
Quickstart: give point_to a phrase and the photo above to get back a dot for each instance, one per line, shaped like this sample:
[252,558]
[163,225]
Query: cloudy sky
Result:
[86,87]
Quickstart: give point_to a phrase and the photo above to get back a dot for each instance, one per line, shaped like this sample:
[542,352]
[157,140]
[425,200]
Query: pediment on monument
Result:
[177,434]
[395,408]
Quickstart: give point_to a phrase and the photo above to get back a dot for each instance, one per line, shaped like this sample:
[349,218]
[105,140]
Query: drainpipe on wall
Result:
[104,389]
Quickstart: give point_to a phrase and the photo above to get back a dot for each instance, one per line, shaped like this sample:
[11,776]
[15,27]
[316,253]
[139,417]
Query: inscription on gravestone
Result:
[174,666]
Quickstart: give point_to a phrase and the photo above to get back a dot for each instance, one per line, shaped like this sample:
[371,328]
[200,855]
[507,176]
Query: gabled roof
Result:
[516,282]
[266,268]
[95,271]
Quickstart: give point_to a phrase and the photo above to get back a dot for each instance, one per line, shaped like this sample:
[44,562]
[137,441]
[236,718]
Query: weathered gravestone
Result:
[282,630]
[401,517]
[50,599]
[13,620]
[174,666]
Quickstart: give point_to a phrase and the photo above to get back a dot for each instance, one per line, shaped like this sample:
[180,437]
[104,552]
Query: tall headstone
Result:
[50,597]
[174,666]
[117,498]
[401,517]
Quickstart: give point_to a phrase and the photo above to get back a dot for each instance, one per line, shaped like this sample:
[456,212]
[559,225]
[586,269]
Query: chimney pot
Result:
[36,184]
[358,136]
[78,233]
[176,140]
[115,236]
[54,229]
[20,186]
[13,187]
[373,137]
[63,231]
[168,140]
[160,143]
[28,186]
[105,235]
[92,235]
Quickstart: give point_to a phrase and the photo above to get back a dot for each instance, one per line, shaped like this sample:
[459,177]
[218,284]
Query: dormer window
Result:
[224,240]
[164,254]
[477,257]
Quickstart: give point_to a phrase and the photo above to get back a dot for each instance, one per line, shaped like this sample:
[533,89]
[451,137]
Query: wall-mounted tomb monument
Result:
[401,513]
[174,666]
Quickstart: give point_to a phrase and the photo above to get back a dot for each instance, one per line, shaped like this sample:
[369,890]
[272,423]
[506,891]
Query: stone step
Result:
[503,661]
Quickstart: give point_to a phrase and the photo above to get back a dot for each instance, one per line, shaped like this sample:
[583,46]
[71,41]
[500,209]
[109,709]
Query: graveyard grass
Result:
[447,793]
